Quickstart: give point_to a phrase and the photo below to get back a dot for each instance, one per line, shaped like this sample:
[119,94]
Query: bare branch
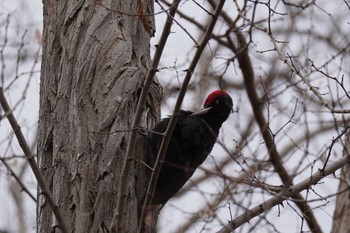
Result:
[290,192]
[23,187]
[173,119]
[275,158]
[34,166]
[289,62]
[116,221]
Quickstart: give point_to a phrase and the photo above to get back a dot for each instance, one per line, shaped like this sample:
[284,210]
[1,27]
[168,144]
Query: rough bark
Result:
[94,63]
[341,217]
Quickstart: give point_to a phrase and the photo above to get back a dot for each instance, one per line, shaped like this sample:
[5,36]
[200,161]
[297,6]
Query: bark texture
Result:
[341,217]
[94,63]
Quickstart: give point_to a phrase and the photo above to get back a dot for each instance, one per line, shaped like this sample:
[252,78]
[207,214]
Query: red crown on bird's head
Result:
[213,96]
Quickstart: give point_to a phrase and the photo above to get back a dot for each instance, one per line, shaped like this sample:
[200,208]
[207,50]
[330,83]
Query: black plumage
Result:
[192,140]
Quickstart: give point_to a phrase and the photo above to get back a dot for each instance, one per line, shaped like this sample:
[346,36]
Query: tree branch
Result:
[23,187]
[173,119]
[289,62]
[275,158]
[32,163]
[290,192]
[129,157]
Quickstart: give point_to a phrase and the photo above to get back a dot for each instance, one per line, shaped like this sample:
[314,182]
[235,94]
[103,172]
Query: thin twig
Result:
[23,187]
[248,175]
[191,20]
[332,144]
[173,119]
[34,166]
[290,192]
[182,27]
[289,62]
[123,181]
[275,158]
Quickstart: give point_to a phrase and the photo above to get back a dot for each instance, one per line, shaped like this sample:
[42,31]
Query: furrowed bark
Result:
[95,59]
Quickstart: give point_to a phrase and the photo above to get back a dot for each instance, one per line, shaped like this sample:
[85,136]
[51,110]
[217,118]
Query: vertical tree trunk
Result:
[94,63]
[341,217]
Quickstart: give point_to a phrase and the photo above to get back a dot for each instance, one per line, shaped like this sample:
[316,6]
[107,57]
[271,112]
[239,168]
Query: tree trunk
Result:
[94,63]
[341,217]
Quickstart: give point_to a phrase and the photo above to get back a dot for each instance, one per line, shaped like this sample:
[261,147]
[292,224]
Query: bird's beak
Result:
[201,111]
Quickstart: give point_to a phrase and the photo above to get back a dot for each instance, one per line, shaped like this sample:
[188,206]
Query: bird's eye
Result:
[217,102]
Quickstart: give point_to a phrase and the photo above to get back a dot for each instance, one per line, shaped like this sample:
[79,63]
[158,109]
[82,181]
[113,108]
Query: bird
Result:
[191,142]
